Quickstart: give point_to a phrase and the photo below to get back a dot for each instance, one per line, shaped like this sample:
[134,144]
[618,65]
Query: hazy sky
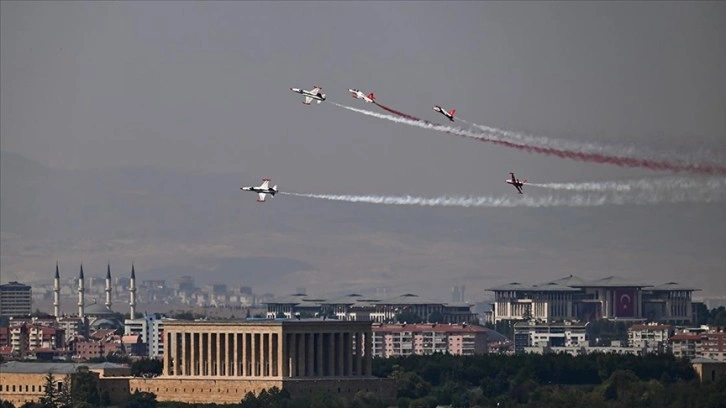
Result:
[203,86]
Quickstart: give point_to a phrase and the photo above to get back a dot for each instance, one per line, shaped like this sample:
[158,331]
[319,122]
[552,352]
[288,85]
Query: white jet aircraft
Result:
[443,111]
[262,190]
[360,95]
[310,95]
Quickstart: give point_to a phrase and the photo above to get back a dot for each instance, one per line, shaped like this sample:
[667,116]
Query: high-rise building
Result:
[16,299]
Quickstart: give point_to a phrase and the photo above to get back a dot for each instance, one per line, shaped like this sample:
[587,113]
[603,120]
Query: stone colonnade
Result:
[280,349]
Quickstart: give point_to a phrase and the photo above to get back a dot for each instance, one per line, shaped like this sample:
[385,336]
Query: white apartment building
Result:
[151,329]
[651,338]
[392,340]
[566,334]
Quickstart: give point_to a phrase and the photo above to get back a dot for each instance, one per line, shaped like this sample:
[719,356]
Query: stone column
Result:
[253,355]
[271,370]
[358,353]
[209,353]
[183,368]
[245,356]
[192,351]
[200,353]
[235,355]
[175,363]
[319,360]
[279,367]
[292,354]
[167,353]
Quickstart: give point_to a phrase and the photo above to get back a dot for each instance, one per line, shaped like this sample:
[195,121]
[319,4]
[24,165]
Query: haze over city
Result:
[128,128]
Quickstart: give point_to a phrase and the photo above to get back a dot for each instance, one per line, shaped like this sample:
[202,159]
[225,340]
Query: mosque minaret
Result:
[56,292]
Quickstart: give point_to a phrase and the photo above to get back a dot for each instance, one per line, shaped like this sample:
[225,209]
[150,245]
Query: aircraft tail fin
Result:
[372,96]
[319,101]
[453,112]
[274,189]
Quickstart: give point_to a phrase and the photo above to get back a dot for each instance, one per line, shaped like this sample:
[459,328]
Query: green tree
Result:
[147,367]
[364,399]
[50,396]
[84,387]
[718,317]
[140,399]
[64,395]
[250,401]
[436,317]
[408,317]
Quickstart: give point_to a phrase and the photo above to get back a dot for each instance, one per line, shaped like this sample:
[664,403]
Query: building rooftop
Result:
[615,282]
[54,368]
[703,360]
[551,324]
[651,327]
[571,281]
[14,285]
[671,286]
[553,287]
[510,287]
[428,327]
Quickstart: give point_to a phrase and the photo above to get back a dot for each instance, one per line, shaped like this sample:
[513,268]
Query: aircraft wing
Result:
[308,100]
[315,90]
[261,197]
[265,184]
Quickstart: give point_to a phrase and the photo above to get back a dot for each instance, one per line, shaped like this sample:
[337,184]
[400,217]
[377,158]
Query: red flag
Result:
[625,302]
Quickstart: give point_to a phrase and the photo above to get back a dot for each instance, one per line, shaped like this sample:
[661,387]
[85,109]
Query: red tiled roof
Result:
[685,336]
[650,327]
[438,328]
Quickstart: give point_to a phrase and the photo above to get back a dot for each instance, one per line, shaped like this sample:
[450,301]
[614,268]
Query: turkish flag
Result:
[625,302]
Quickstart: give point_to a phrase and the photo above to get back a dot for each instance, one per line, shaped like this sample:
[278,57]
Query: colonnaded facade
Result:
[222,361]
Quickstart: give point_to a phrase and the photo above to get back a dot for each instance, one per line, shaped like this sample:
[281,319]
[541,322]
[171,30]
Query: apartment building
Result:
[392,340]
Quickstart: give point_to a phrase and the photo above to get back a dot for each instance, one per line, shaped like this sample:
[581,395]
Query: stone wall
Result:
[229,391]
[19,388]
[200,390]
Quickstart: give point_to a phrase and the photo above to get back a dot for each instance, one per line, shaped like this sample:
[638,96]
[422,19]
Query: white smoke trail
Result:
[522,201]
[421,124]
[670,183]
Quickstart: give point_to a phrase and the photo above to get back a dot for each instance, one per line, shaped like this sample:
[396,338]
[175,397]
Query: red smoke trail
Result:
[395,112]
[618,161]
[581,156]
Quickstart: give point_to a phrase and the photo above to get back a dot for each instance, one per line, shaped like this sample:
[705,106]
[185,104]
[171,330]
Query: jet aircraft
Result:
[310,95]
[262,190]
[443,111]
[517,183]
[360,95]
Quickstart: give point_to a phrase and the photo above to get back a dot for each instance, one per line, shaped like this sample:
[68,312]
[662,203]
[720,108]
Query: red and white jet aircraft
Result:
[360,95]
[262,190]
[443,111]
[311,94]
[517,183]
